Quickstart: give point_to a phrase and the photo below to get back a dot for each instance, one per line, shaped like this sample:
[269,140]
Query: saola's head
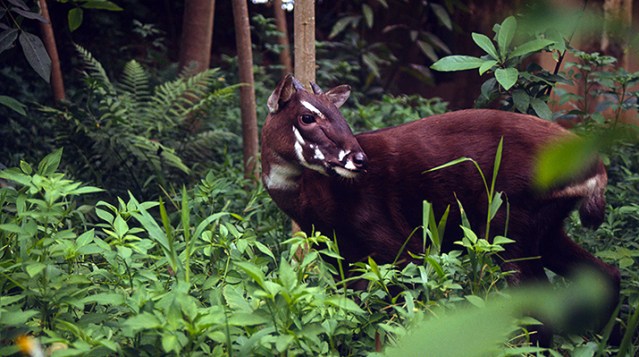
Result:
[308,129]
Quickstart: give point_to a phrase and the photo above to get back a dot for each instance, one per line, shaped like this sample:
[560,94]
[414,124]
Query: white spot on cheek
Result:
[310,107]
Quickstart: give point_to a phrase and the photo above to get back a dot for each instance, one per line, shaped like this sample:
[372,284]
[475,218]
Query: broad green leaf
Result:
[486,66]
[485,44]
[16,318]
[25,167]
[344,303]
[521,100]
[36,54]
[457,63]
[170,342]
[531,47]
[34,268]
[50,163]
[11,227]
[104,299]
[507,77]
[541,108]
[475,300]
[16,176]
[85,238]
[75,17]
[143,321]
[505,35]
[247,319]
[253,271]
[283,341]
[7,38]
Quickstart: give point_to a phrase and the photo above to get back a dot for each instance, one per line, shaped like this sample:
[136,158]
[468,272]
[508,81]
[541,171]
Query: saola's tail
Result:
[593,206]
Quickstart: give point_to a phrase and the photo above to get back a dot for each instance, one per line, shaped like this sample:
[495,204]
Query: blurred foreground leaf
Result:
[485,330]
[565,158]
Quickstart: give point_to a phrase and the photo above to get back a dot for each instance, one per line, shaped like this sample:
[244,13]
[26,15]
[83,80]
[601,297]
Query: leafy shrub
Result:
[143,135]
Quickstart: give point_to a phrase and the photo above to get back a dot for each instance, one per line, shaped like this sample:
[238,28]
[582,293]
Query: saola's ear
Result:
[339,94]
[283,93]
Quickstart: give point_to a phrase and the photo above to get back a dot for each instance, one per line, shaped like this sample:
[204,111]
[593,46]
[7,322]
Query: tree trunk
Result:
[57,82]
[304,42]
[247,91]
[617,21]
[304,26]
[280,22]
[197,35]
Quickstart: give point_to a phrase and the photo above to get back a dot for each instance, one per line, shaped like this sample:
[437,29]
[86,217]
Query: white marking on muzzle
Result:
[312,108]
[342,154]
[583,189]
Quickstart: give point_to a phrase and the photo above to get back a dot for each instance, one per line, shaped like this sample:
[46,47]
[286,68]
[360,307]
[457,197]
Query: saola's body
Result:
[368,189]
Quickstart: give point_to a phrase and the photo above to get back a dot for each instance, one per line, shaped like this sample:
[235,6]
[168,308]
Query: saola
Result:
[368,189]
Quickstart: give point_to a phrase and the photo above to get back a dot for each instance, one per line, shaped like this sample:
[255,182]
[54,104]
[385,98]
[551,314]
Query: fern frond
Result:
[174,100]
[93,68]
[208,146]
[134,87]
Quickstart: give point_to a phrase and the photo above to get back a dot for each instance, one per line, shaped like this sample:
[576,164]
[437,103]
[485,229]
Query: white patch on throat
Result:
[312,108]
[282,177]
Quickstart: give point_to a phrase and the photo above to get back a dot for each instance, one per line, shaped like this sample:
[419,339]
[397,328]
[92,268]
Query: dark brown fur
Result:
[374,213]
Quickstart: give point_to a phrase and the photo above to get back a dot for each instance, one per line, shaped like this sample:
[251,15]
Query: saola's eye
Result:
[307,119]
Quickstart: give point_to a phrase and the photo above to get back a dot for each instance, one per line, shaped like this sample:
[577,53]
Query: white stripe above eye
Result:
[312,108]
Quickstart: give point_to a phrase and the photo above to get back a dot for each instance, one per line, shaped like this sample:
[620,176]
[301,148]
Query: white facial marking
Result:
[345,173]
[319,155]
[310,107]
[342,154]
[349,165]
[299,151]
[298,136]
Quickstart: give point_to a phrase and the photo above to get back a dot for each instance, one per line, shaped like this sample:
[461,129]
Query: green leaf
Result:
[247,319]
[541,108]
[521,100]
[457,63]
[341,24]
[34,268]
[7,38]
[486,66]
[104,299]
[16,318]
[143,321]
[345,303]
[29,15]
[50,163]
[36,54]
[170,342]
[475,300]
[485,44]
[506,34]
[75,17]
[442,15]
[101,5]
[450,163]
[531,47]
[253,271]
[368,15]
[506,77]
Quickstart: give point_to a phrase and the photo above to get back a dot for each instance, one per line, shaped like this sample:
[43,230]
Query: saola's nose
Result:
[359,159]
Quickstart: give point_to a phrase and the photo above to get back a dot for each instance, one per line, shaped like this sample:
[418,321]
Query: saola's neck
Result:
[280,175]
